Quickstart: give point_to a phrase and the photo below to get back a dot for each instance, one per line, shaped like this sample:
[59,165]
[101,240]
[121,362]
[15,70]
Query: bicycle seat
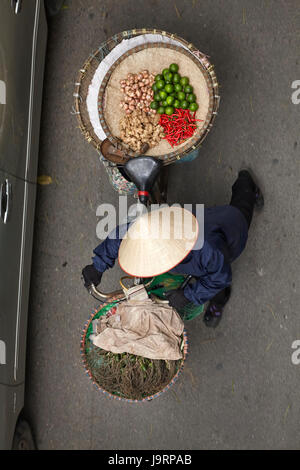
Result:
[143,172]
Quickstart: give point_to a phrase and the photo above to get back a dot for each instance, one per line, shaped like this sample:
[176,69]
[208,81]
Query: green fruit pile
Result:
[172,91]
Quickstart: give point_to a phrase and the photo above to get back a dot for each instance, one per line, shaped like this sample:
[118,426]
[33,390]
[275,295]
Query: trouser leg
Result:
[243,195]
[214,311]
[222,297]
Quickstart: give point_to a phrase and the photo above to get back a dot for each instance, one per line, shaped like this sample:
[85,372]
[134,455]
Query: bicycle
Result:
[150,177]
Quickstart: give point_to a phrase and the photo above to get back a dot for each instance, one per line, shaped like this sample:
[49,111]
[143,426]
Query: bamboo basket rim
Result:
[95,59]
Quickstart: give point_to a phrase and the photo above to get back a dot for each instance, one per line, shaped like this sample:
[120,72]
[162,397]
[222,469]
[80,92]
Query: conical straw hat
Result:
[157,241]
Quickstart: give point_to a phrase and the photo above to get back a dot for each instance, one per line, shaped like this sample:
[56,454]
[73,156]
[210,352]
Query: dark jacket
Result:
[225,237]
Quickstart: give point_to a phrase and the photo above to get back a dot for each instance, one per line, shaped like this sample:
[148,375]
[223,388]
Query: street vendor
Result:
[225,236]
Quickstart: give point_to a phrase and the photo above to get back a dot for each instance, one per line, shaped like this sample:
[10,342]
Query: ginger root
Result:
[139,128]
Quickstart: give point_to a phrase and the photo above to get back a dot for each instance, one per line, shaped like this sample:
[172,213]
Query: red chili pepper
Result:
[178,126]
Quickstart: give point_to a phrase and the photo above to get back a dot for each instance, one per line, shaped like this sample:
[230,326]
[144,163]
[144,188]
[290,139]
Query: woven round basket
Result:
[105,392]
[150,38]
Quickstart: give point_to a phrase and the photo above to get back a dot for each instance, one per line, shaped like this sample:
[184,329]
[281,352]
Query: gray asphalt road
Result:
[240,389]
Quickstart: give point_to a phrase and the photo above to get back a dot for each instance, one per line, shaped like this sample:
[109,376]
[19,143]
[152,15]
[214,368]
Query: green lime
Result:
[164,104]
[181,96]
[168,77]
[163,94]
[170,99]
[177,87]
[173,94]
[184,104]
[169,110]
[174,68]
[176,78]
[193,107]
[161,110]
[188,89]
[158,77]
[154,105]
[154,87]
[160,84]
[176,104]
[191,98]
[169,88]
[157,97]
[165,71]
[184,81]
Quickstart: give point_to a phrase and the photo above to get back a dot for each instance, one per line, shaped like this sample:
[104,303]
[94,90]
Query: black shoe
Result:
[214,311]
[259,198]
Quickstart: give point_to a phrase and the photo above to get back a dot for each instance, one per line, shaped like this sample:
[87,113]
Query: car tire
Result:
[23,439]
[53,6]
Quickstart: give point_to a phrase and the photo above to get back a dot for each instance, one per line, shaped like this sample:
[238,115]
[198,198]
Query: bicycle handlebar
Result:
[97,294]
[116,295]
[119,294]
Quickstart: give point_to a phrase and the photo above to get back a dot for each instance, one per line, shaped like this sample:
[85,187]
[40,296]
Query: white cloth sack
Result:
[143,328]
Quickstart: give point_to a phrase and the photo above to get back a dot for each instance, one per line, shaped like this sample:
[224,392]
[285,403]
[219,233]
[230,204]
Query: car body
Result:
[23,38]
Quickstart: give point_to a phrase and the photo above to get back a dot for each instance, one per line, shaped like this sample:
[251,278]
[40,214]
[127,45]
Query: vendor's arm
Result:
[107,252]
[217,275]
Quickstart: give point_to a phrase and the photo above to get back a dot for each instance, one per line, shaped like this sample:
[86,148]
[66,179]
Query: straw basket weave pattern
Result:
[87,72]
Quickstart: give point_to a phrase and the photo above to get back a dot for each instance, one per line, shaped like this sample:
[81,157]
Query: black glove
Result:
[91,276]
[177,299]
